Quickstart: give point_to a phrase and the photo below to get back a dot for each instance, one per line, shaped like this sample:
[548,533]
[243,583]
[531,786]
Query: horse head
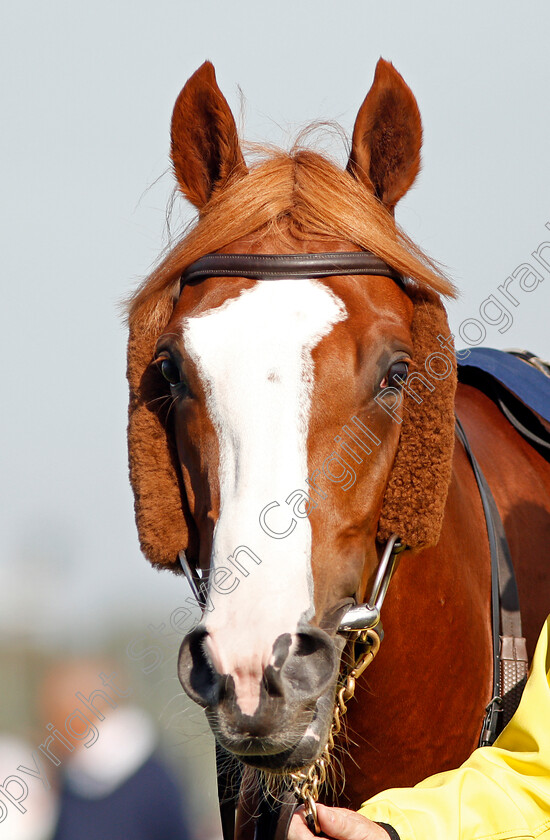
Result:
[282,430]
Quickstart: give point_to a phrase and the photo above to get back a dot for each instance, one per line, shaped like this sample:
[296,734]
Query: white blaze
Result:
[253,355]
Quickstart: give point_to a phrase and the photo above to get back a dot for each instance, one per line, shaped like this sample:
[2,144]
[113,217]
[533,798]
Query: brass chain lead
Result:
[306,782]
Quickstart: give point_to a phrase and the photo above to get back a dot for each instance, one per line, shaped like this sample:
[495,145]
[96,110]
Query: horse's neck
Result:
[420,706]
[429,685]
[519,478]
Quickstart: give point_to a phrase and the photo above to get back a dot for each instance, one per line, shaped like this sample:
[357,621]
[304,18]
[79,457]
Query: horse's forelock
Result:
[297,195]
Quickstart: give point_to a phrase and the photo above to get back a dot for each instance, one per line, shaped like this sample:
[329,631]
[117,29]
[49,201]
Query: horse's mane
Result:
[298,194]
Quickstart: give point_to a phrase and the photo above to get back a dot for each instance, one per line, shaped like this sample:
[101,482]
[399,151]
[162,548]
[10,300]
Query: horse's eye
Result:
[169,370]
[396,375]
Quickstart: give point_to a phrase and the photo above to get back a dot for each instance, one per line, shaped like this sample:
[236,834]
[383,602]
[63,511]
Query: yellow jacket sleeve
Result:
[501,792]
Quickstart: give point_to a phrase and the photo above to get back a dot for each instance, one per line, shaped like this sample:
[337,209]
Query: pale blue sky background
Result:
[87,94]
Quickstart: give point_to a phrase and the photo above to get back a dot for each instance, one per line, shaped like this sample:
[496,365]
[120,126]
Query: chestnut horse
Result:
[281,431]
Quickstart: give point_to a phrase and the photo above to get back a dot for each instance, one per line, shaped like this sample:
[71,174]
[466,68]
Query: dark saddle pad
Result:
[521,390]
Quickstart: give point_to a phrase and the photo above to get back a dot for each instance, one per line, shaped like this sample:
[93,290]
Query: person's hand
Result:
[337,823]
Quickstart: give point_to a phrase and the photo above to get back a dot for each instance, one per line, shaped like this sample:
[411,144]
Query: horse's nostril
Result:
[311,665]
[196,670]
[272,682]
[308,644]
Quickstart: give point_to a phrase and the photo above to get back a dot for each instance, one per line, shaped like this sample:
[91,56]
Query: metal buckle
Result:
[490,722]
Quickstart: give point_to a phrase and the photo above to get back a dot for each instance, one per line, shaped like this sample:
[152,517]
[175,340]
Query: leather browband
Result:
[278,266]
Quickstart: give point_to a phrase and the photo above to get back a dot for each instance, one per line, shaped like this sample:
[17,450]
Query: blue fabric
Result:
[145,807]
[526,382]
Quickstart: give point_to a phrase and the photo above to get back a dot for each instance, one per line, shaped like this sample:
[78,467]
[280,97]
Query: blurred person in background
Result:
[111,784]
[37,822]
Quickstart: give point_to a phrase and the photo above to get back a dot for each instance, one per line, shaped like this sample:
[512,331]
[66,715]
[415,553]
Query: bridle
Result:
[288,266]
[361,622]
[294,266]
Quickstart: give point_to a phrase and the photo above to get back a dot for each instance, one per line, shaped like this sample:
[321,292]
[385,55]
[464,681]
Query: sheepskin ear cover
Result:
[416,494]
[162,516]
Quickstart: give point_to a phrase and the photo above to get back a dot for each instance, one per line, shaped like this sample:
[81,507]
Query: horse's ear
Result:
[416,494]
[205,145]
[164,523]
[385,150]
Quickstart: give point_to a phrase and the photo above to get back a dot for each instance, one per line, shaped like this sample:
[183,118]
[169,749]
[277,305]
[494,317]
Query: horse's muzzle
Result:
[292,697]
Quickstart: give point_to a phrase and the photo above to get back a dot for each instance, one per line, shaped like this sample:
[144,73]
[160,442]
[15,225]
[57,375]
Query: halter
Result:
[361,617]
[362,621]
